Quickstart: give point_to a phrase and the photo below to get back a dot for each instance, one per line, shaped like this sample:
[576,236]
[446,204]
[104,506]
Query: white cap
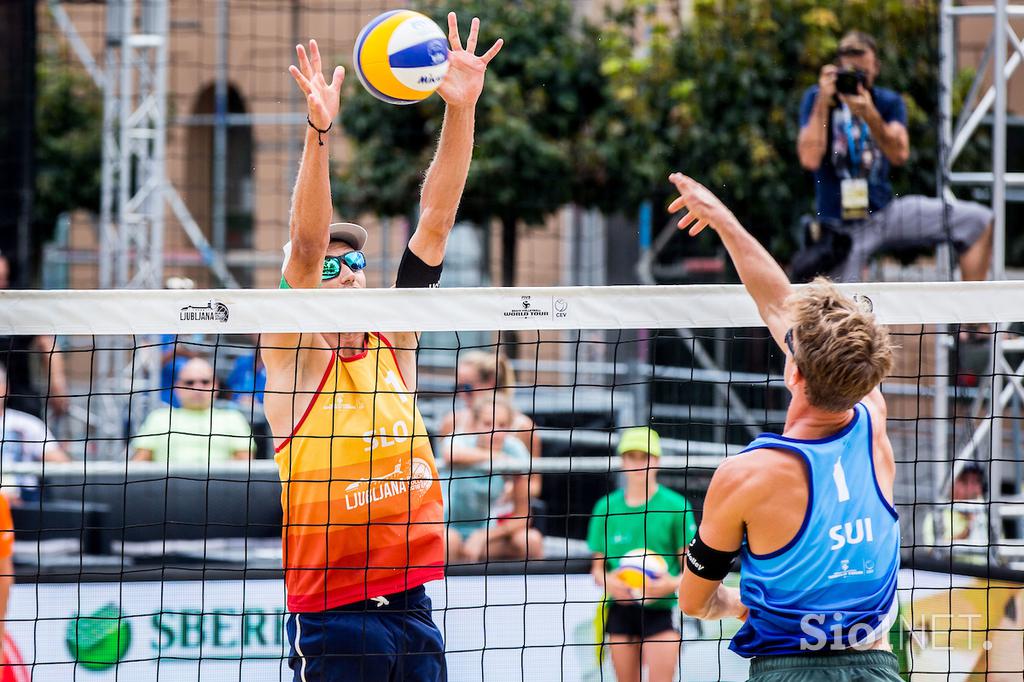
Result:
[350,233]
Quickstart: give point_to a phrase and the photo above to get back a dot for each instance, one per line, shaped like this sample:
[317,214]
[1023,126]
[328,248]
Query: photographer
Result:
[851,131]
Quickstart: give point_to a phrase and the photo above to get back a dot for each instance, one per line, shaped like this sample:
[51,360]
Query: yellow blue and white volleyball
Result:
[401,57]
[638,565]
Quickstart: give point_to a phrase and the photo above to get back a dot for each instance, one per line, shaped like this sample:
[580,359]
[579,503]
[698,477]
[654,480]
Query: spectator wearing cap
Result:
[852,132]
[646,520]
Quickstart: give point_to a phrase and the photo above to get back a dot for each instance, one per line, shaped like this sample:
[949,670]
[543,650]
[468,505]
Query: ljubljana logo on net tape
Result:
[864,303]
[538,308]
[213,311]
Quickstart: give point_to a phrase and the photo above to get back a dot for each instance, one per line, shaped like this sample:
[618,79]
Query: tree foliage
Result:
[599,114]
[729,99]
[69,120]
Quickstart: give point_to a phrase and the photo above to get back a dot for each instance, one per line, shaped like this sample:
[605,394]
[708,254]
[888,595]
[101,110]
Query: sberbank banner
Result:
[142,631]
[498,628]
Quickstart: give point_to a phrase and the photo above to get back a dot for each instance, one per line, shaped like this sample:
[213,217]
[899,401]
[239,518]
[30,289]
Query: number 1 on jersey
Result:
[839,476]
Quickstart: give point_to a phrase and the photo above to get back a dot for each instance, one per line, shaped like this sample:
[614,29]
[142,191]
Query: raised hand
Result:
[702,207]
[464,81]
[322,99]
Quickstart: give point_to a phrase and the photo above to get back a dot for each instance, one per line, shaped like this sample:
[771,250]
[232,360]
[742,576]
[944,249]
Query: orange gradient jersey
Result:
[360,494]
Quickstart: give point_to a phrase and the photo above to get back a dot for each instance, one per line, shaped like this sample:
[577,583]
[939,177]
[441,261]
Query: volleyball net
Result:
[147,505]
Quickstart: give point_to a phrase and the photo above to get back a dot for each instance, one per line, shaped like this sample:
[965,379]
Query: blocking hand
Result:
[703,208]
[322,99]
[464,81]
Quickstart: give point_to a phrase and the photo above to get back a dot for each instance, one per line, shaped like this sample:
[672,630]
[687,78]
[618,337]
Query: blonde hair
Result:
[842,353]
[494,368]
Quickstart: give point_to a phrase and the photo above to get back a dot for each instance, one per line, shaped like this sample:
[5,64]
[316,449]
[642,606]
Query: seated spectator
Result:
[197,433]
[488,514]
[479,376]
[24,438]
[851,131]
[963,523]
[649,519]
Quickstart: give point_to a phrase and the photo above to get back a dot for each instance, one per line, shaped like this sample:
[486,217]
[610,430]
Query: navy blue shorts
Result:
[364,642]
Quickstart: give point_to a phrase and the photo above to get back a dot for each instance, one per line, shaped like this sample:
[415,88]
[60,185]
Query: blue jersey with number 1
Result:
[834,584]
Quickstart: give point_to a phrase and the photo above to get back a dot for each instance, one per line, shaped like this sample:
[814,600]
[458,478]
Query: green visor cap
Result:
[641,438]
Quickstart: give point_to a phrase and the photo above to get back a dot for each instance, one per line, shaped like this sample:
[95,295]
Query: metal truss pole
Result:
[990,106]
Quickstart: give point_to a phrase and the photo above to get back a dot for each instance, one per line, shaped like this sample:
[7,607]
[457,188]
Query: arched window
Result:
[238,199]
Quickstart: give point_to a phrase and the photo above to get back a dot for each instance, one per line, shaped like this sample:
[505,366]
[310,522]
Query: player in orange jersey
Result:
[363,526]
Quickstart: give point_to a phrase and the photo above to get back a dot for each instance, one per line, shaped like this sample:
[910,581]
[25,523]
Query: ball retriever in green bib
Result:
[638,536]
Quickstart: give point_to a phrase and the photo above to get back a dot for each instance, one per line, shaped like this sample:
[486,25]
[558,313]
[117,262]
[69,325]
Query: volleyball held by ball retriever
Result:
[401,57]
[639,566]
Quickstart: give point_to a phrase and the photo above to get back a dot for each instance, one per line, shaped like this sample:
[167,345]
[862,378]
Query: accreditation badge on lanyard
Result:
[854,189]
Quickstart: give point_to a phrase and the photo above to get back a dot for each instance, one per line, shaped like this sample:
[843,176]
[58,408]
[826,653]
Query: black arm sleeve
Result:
[413,273]
[708,563]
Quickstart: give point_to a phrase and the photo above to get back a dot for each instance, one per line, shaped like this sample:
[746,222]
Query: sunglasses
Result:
[354,260]
[852,52]
[197,382]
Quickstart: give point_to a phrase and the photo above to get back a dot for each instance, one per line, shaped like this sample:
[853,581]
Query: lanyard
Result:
[854,142]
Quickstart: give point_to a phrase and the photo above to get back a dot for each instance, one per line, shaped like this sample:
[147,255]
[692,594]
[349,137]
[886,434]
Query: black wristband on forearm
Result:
[413,273]
[708,563]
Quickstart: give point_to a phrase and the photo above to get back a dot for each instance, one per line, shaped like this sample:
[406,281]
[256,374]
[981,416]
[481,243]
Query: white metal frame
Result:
[998,66]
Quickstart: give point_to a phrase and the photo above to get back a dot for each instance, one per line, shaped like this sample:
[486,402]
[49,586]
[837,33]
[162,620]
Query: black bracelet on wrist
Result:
[319,133]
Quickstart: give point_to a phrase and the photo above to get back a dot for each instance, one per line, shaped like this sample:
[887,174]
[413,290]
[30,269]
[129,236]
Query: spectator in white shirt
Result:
[23,438]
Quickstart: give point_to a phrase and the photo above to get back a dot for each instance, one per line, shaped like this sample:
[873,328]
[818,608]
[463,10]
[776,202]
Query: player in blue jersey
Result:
[810,511]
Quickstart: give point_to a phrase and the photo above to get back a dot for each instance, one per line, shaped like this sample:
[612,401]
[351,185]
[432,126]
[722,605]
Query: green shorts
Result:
[853,666]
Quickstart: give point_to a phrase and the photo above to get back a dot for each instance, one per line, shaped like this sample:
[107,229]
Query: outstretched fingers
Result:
[303,82]
[338,78]
[692,224]
[453,32]
[493,52]
[304,66]
[682,182]
[474,33]
[314,52]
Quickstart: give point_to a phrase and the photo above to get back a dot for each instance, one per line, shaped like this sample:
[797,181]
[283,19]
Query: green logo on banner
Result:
[101,640]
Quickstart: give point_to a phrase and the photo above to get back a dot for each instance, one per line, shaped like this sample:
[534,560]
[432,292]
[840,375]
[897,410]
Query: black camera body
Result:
[848,81]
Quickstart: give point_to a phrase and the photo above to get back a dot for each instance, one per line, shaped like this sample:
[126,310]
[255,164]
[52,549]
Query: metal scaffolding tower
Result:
[134,139]
[986,103]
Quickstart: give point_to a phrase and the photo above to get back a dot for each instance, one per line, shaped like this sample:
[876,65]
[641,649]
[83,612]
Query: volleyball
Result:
[401,57]
[638,565]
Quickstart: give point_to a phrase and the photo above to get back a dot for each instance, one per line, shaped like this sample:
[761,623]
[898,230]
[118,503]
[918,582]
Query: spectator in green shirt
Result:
[197,433]
[650,520]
